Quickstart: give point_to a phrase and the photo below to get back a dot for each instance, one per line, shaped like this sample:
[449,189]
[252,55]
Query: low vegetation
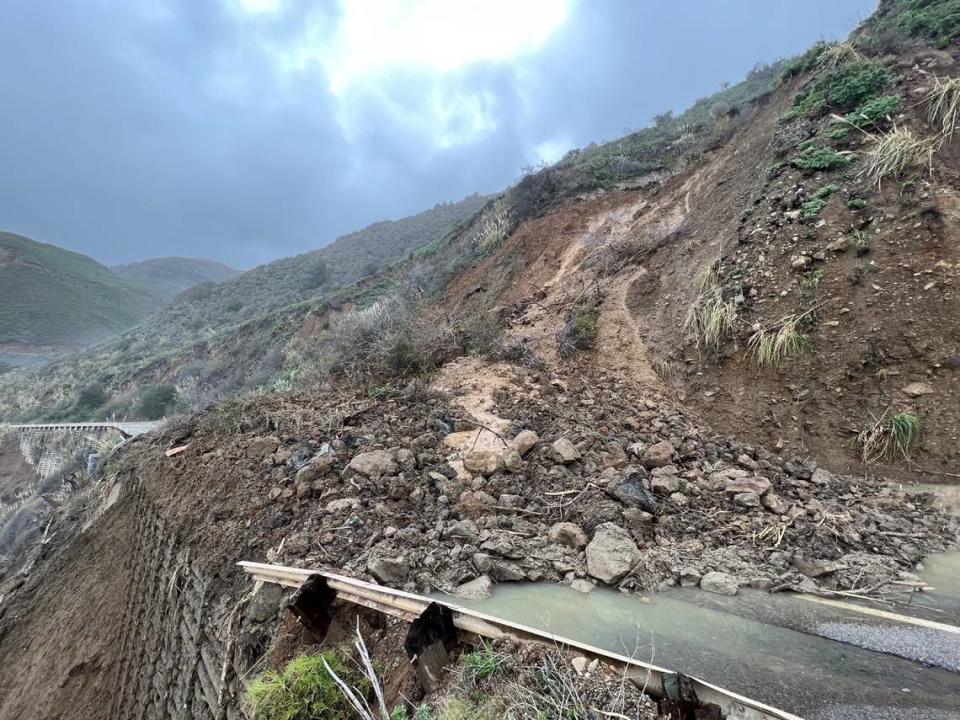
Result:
[773,346]
[872,114]
[820,158]
[810,210]
[304,689]
[581,327]
[843,88]
[894,152]
[711,317]
[943,105]
[892,25]
[892,437]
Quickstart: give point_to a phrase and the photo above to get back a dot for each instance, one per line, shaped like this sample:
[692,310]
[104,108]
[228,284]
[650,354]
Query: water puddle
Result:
[772,648]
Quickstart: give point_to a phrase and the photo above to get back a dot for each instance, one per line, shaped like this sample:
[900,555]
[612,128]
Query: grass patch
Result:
[810,283]
[894,152]
[890,438]
[820,158]
[772,347]
[304,690]
[861,243]
[481,663]
[581,328]
[711,318]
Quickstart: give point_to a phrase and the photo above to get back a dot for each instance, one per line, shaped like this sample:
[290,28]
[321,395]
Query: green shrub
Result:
[856,203]
[874,112]
[155,401]
[581,328]
[801,63]
[89,399]
[811,209]
[936,20]
[844,88]
[820,159]
[305,689]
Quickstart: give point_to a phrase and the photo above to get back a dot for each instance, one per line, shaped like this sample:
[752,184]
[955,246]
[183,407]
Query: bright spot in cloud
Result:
[260,6]
[553,149]
[439,35]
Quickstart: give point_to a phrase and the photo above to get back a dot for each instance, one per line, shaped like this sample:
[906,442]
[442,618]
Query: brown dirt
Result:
[64,627]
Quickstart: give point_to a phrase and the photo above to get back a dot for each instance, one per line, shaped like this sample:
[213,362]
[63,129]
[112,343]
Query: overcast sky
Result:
[246,130]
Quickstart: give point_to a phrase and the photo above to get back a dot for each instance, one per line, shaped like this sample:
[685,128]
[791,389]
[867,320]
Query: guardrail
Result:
[409,606]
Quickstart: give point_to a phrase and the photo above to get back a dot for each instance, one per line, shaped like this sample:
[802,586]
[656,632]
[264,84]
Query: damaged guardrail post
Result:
[311,605]
[430,640]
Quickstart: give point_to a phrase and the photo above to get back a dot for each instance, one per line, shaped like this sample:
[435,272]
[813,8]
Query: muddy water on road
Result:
[755,644]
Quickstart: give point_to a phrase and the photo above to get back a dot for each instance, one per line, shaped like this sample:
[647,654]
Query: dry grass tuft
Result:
[943,105]
[890,438]
[711,318]
[836,54]
[772,347]
[897,150]
[496,224]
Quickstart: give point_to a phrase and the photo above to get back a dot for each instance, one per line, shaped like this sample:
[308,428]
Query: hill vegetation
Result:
[51,297]
[173,275]
[216,338]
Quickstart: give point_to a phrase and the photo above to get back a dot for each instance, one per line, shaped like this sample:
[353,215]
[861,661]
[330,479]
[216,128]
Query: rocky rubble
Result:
[602,486]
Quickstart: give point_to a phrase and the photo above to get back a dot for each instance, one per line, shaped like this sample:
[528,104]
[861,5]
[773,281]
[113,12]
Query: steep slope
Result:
[173,275]
[51,297]
[779,285]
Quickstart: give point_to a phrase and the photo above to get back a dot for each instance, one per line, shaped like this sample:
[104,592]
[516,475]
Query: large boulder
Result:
[719,583]
[524,442]
[611,554]
[565,452]
[388,570]
[482,462]
[756,485]
[478,589]
[658,454]
[569,534]
[373,464]
[260,447]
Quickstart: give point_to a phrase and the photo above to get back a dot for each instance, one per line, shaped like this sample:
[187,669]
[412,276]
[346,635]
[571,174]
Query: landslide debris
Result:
[611,487]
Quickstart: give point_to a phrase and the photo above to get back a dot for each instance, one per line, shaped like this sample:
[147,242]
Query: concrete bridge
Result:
[48,446]
[127,429]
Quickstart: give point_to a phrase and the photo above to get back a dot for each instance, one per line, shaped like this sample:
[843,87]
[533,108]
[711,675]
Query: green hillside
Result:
[173,275]
[53,297]
[210,306]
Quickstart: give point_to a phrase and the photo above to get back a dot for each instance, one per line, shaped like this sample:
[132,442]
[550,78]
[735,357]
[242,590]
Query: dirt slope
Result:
[880,320]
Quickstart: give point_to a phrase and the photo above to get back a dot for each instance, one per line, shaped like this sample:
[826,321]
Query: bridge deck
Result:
[130,429]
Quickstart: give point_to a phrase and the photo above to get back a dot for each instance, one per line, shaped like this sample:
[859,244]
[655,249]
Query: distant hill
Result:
[210,306]
[173,275]
[51,297]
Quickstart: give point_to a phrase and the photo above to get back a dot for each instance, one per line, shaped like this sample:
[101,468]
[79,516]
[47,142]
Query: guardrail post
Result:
[311,605]
[431,638]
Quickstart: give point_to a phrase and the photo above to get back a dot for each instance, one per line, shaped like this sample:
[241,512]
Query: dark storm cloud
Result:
[132,130]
